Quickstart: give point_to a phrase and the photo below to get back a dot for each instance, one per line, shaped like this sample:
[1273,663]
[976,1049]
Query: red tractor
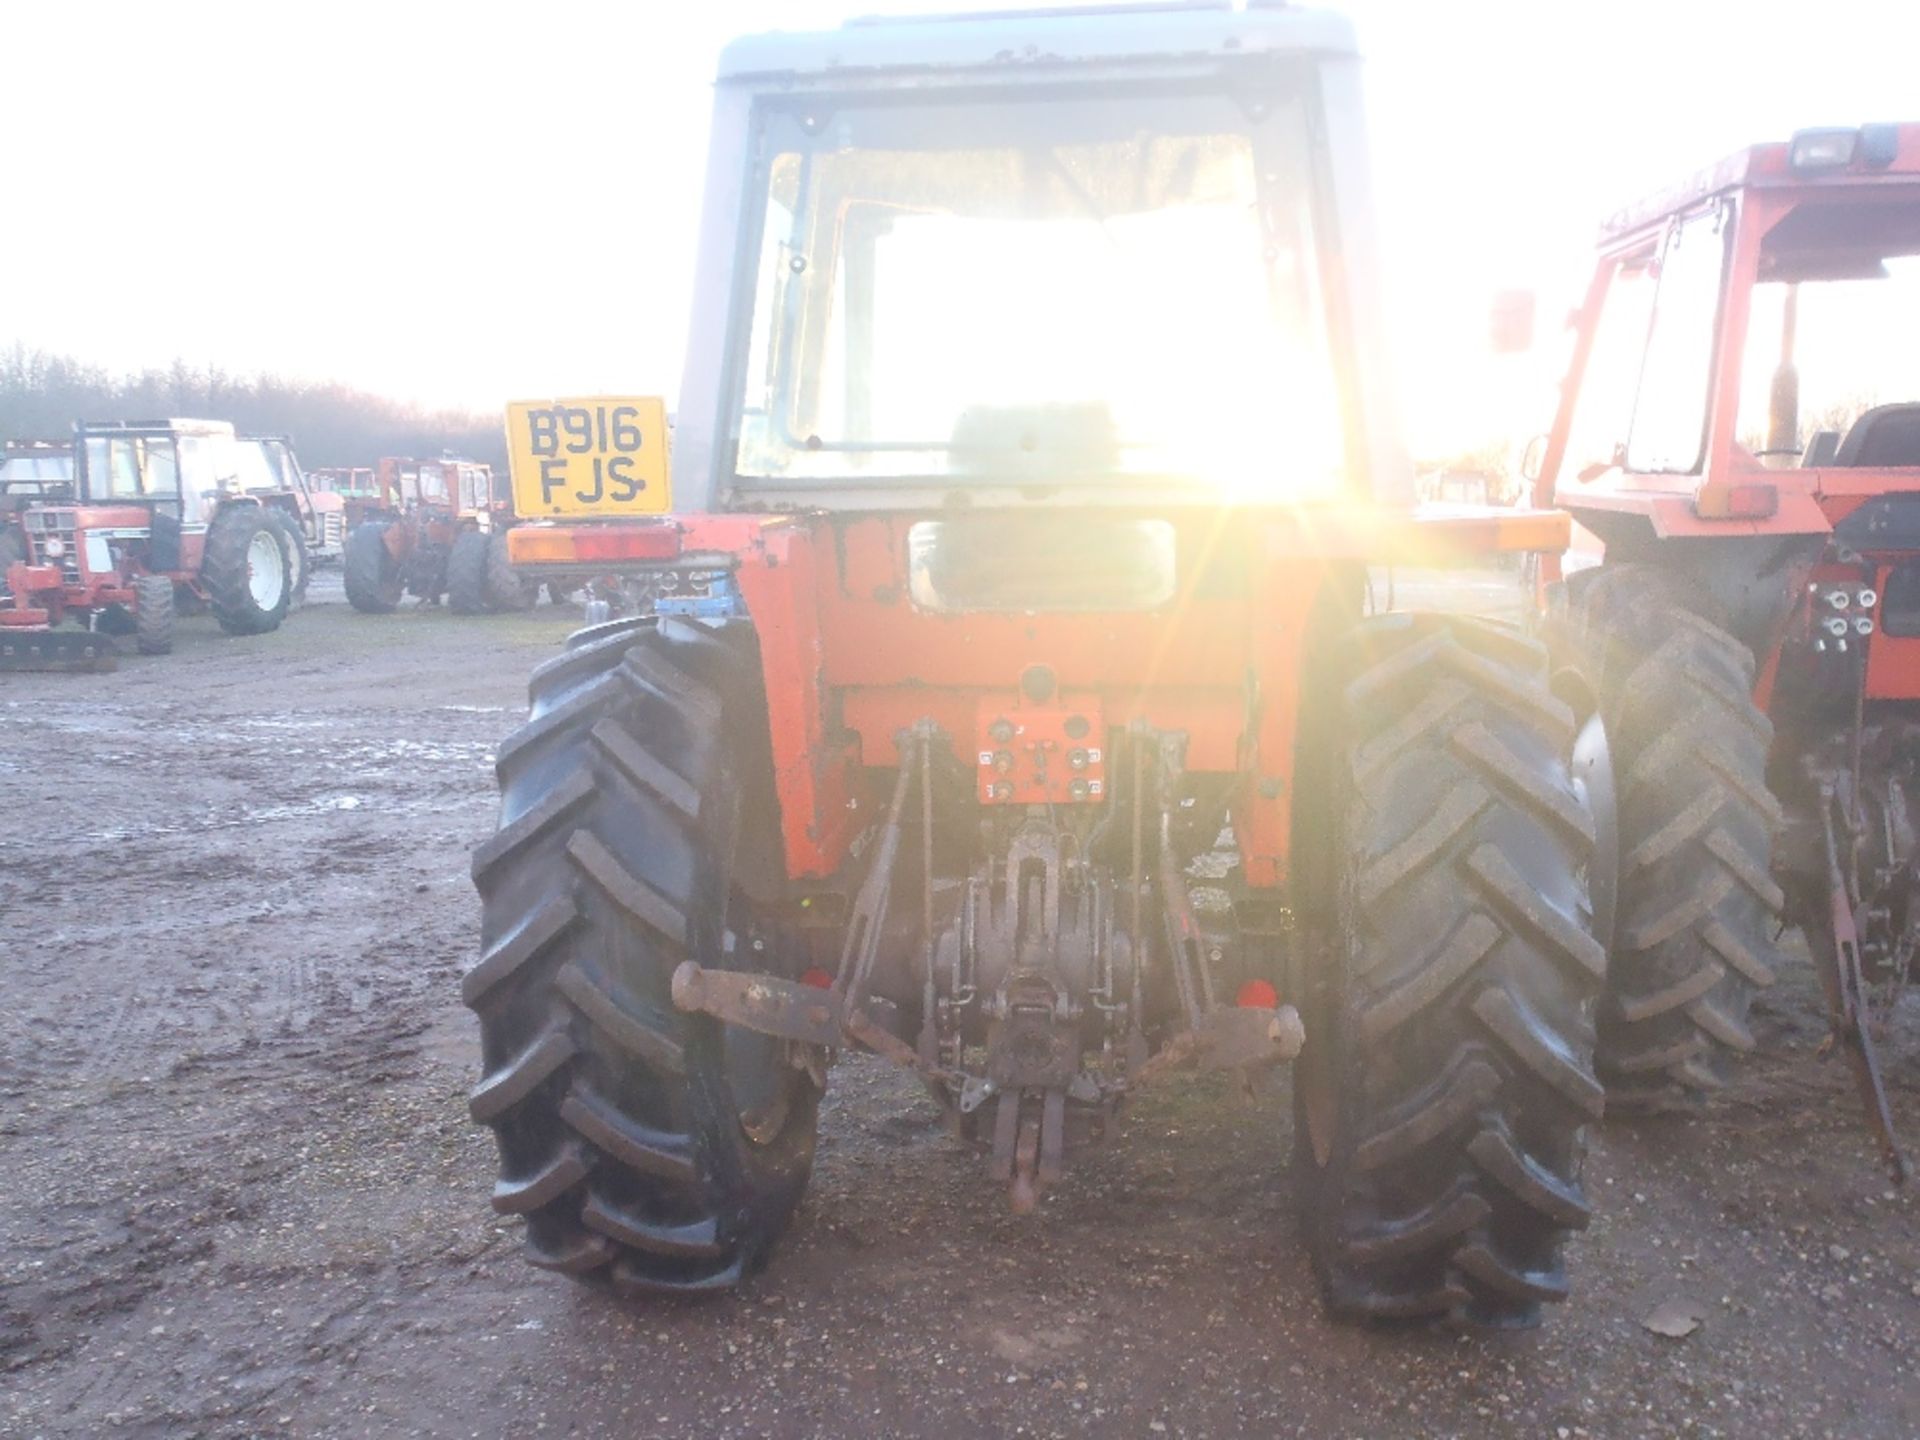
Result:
[439,529]
[356,488]
[159,510]
[1740,434]
[1032,454]
[32,472]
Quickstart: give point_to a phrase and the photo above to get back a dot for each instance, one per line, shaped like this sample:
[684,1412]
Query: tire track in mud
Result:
[110,1009]
[240,901]
[253,912]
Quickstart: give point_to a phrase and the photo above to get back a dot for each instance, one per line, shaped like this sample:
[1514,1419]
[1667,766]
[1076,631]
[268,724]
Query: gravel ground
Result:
[239,1194]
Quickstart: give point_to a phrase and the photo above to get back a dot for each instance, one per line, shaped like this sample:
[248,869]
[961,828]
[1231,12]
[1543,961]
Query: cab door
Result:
[159,462]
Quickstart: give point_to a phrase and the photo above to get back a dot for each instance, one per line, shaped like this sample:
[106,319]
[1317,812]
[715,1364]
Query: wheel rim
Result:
[266,570]
[761,1076]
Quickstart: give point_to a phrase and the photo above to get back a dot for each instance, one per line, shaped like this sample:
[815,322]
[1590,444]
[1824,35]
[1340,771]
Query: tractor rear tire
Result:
[636,803]
[369,571]
[1443,1098]
[1698,905]
[294,540]
[246,571]
[467,574]
[153,614]
[507,590]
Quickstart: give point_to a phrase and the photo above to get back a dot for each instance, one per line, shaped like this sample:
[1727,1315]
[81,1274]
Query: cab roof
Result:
[1883,155]
[153,427]
[1049,38]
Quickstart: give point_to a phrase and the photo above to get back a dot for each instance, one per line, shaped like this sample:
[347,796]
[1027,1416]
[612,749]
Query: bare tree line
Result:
[42,394]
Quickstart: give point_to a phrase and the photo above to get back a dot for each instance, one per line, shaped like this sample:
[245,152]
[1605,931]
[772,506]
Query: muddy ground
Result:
[239,1194]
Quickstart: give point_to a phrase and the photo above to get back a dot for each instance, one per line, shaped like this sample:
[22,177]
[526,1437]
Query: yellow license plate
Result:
[606,455]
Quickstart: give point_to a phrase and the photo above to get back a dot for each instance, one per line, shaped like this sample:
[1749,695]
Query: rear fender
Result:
[1747,585]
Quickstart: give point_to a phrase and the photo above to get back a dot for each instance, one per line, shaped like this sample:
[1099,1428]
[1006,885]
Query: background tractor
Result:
[313,521]
[1740,436]
[439,529]
[356,487]
[32,472]
[159,510]
[1034,425]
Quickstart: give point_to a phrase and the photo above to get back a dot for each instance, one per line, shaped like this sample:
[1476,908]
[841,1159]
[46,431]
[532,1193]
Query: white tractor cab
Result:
[270,469]
[1106,281]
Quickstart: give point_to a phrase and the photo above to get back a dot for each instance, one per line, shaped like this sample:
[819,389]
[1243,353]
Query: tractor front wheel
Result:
[1449,982]
[246,571]
[506,589]
[369,571]
[467,574]
[653,1150]
[1698,904]
[153,614]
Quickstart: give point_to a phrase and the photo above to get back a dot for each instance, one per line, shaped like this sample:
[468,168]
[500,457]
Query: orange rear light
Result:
[1257,995]
[591,544]
[1751,501]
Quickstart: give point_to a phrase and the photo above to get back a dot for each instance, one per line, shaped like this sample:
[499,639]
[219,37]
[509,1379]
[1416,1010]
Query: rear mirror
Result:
[1532,458]
[1510,322]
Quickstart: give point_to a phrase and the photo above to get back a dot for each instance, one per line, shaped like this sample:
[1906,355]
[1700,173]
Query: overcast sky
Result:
[468,202]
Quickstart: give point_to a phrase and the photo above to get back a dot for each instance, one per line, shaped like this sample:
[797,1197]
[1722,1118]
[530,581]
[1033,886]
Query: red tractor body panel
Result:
[851,658]
[76,578]
[1775,223]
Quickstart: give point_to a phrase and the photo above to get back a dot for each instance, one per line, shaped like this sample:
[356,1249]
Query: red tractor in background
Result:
[32,472]
[356,487]
[1033,448]
[1740,430]
[439,529]
[159,510]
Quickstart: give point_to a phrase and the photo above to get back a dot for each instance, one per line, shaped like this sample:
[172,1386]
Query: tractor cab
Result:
[1107,279]
[461,489]
[271,470]
[164,477]
[33,470]
[1742,362]
[353,489]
